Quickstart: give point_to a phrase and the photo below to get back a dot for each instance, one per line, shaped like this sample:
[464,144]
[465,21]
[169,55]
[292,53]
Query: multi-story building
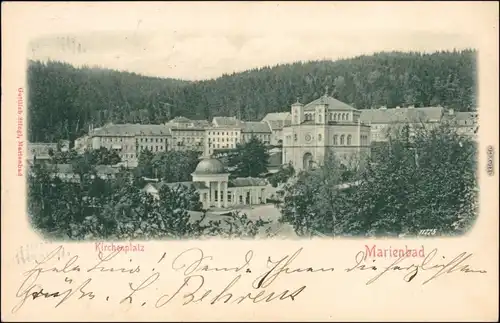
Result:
[465,123]
[382,120]
[187,134]
[276,122]
[222,137]
[322,127]
[258,129]
[130,139]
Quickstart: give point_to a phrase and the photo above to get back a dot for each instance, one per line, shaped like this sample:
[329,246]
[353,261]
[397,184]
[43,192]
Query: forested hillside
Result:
[64,100]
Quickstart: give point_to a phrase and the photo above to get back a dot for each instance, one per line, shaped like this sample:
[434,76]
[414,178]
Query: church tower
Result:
[297,113]
[321,109]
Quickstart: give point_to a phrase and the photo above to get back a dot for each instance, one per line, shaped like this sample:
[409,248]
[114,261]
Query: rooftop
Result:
[209,166]
[333,104]
[226,121]
[255,126]
[128,129]
[278,124]
[426,114]
[278,116]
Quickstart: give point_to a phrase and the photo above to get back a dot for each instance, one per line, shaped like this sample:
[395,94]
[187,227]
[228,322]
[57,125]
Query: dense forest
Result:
[65,100]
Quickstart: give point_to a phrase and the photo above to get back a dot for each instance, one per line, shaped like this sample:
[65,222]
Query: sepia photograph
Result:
[132,135]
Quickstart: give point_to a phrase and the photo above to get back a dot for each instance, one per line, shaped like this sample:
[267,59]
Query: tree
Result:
[64,100]
[282,176]
[104,156]
[176,166]
[145,164]
[104,209]
[427,183]
[249,159]
[315,202]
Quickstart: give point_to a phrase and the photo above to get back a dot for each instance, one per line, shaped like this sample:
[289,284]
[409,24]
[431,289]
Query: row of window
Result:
[228,133]
[106,139]
[342,139]
[189,133]
[152,140]
[222,139]
[152,148]
[331,117]
[188,140]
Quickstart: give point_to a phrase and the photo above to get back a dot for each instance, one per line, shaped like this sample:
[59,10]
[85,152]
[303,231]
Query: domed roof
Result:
[209,166]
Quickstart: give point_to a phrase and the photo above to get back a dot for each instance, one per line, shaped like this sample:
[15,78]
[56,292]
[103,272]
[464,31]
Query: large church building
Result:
[323,126]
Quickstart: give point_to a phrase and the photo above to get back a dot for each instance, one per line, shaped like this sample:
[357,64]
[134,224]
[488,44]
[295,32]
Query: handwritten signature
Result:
[456,264]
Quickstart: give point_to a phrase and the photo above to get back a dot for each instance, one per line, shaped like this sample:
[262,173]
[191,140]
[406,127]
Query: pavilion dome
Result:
[210,166]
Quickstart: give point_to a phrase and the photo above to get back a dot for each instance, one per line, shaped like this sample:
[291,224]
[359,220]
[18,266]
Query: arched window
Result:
[334,117]
[349,140]
[319,137]
[335,140]
[342,140]
[319,118]
[295,137]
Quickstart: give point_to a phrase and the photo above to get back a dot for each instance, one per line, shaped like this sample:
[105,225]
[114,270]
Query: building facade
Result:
[187,134]
[276,122]
[130,139]
[383,120]
[320,128]
[216,190]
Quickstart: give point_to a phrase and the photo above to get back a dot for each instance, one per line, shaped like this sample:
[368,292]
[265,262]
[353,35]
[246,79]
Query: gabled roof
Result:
[180,120]
[226,121]
[128,129]
[201,123]
[255,126]
[401,115]
[278,124]
[278,116]
[333,104]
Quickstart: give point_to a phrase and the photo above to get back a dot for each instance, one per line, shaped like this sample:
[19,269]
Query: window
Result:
[295,137]
[349,139]
[319,137]
[342,139]
[335,140]
[319,118]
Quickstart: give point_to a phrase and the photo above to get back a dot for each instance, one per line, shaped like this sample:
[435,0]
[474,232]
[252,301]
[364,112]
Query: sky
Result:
[179,40]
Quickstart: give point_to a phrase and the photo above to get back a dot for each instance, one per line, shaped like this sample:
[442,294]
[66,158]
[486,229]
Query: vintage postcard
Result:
[250,161]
